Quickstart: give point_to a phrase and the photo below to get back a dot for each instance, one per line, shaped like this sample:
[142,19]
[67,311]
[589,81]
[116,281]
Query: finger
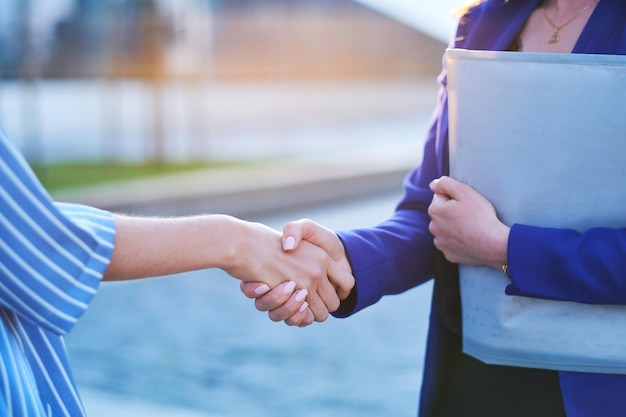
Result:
[448,186]
[440,199]
[276,297]
[318,307]
[302,318]
[328,294]
[323,297]
[308,318]
[438,204]
[439,185]
[432,228]
[253,289]
[341,279]
[291,307]
[434,185]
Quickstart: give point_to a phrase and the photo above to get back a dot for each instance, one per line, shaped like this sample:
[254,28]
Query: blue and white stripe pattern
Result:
[52,258]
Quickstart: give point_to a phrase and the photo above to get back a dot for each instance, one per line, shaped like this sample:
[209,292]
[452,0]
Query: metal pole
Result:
[28,74]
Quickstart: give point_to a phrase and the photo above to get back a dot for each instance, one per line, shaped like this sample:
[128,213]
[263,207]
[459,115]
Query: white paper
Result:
[543,137]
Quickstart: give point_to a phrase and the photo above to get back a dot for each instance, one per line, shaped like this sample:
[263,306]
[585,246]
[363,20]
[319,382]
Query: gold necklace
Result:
[555,36]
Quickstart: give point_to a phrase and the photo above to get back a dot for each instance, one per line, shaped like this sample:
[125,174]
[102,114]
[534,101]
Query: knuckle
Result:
[323,316]
[318,314]
[434,228]
[275,317]
[316,271]
[260,305]
[247,290]
[306,221]
[291,322]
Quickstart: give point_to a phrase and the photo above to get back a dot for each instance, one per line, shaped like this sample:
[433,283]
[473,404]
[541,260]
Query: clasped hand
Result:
[465,225]
[318,260]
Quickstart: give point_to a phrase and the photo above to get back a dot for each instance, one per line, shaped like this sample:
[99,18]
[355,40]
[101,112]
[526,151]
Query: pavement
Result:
[257,187]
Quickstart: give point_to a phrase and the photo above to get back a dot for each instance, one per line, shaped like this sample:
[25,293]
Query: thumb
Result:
[306,229]
[296,231]
[292,235]
[447,186]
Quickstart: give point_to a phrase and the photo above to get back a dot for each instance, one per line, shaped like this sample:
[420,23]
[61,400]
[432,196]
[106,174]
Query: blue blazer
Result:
[398,254]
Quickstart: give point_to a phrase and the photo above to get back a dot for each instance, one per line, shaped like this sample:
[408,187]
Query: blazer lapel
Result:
[495,24]
[605,32]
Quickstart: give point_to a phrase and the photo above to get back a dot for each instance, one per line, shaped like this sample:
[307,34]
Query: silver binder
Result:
[543,137]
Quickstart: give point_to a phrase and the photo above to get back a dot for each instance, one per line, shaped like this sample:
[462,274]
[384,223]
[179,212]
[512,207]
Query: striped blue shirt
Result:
[52,258]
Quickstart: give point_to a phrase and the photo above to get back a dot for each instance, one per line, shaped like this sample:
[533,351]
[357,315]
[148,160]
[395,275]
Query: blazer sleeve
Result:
[398,253]
[562,264]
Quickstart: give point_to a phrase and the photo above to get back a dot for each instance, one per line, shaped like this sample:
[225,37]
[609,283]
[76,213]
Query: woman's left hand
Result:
[465,225]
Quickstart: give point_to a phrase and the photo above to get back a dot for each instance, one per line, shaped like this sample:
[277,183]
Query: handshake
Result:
[300,279]
[299,276]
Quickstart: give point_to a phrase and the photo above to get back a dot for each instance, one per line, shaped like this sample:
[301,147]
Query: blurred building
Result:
[317,38]
[221,38]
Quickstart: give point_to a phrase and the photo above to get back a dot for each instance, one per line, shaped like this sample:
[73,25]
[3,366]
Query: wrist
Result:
[246,247]
[231,241]
[500,247]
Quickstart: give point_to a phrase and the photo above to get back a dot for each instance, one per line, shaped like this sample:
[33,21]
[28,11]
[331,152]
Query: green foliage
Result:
[67,175]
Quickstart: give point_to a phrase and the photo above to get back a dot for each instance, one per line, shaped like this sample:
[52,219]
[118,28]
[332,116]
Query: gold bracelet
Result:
[505,271]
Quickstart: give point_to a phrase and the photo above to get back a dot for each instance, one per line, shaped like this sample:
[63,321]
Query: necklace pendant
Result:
[554,38]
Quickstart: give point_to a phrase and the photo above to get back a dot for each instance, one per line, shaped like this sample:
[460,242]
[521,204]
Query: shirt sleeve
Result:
[53,255]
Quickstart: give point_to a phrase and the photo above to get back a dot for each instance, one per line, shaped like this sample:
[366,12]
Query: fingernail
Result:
[289,243]
[303,307]
[289,287]
[261,289]
[301,295]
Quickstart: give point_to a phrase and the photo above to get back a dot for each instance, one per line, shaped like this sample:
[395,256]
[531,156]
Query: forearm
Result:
[148,247]
[390,258]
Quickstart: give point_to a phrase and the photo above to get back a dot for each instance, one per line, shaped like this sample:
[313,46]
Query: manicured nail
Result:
[261,289]
[289,287]
[289,243]
[303,307]
[301,295]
